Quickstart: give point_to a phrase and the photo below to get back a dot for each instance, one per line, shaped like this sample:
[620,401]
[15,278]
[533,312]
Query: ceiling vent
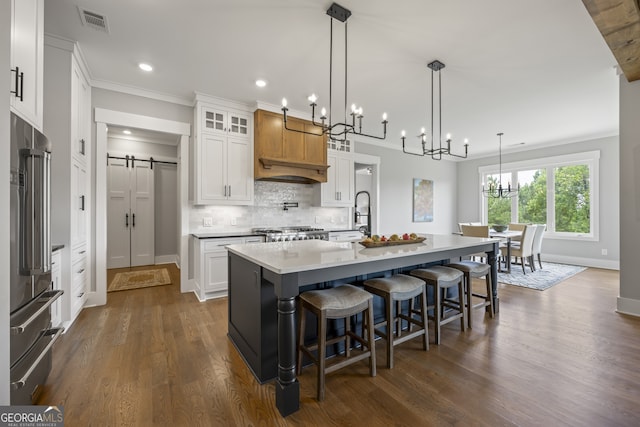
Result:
[93,20]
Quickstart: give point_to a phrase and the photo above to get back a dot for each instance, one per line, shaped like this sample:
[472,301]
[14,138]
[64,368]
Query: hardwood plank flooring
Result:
[155,356]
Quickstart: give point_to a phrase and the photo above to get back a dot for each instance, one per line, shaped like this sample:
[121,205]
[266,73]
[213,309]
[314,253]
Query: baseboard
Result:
[585,262]
[628,306]
[167,259]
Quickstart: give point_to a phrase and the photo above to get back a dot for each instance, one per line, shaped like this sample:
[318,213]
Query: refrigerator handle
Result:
[37,230]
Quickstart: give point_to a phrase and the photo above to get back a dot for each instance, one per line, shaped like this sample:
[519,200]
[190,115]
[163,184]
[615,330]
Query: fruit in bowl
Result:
[500,227]
[405,236]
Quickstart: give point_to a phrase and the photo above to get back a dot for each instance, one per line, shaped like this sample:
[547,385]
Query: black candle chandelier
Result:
[436,153]
[494,191]
[337,131]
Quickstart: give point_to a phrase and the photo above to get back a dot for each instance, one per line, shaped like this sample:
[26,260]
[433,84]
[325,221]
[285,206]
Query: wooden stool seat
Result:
[441,278]
[472,269]
[336,303]
[400,288]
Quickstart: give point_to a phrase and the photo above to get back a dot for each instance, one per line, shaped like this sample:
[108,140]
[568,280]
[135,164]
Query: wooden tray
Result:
[391,243]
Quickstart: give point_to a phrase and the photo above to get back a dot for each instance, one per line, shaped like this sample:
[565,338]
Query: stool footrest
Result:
[346,362]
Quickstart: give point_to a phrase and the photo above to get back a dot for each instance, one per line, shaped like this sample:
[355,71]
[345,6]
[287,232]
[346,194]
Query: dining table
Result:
[506,236]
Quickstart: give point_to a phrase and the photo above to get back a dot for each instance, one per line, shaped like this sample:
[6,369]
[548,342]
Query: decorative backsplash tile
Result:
[268,211]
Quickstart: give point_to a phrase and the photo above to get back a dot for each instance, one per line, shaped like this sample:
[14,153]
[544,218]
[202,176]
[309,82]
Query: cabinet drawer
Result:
[219,244]
[79,252]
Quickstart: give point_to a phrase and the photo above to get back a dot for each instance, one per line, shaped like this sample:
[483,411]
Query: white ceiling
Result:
[539,71]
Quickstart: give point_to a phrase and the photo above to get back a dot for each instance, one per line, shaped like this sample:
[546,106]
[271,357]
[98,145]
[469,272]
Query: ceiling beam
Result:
[619,24]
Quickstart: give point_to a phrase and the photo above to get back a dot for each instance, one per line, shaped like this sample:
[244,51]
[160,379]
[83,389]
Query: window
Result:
[561,192]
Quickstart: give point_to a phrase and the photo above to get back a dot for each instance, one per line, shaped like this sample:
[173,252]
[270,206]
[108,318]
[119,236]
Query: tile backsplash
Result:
[268,211]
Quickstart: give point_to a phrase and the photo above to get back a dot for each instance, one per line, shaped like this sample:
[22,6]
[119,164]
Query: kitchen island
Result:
[265,279]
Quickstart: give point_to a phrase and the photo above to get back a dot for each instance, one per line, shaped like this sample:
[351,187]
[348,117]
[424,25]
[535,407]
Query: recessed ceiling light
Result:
[145,67]
[261,83]
[126,132]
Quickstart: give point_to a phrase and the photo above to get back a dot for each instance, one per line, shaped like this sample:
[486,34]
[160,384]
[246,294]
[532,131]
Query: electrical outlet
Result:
[318,219]
[234,221]
[207,222]
[333,220]
[604,252]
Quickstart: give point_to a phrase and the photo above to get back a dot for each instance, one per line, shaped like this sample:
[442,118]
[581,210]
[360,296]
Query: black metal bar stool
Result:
[396,289]
[341,302]
[471,269]
[442,278]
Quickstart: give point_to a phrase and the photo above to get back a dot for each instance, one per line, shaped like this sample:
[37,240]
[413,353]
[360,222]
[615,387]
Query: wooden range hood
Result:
[288,156]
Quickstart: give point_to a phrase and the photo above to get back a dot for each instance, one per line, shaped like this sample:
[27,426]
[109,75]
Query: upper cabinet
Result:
[223,155]
[27,41]
[289,155]
[339,190]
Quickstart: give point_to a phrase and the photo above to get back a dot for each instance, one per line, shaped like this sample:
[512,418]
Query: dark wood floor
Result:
[559,357]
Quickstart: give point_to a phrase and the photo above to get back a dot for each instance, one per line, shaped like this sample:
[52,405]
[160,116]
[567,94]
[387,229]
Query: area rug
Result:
[550,275]
[139,279]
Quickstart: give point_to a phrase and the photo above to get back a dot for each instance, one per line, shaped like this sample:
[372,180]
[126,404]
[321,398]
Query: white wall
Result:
[629,300]
[5,64]
[589,253]
[397,171]
[166,216]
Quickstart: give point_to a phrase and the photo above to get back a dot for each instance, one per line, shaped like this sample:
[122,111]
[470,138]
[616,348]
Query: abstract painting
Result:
[422,200]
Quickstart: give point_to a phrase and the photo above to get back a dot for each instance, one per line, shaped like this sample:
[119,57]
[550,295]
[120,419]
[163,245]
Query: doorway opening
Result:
[156,129]
[366,212]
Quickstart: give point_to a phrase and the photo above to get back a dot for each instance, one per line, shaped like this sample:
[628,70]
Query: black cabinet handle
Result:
[19,92]
[133,220]
[82,147]
[82,202]
[126,220]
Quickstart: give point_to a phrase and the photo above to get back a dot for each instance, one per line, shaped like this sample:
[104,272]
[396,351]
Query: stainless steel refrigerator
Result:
[31,294]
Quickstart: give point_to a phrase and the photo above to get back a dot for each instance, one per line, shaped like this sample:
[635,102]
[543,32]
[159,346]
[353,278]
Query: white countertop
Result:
[304,255]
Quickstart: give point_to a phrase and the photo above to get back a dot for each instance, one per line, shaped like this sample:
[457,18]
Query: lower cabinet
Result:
[56,280]
[78,295]
[212,265]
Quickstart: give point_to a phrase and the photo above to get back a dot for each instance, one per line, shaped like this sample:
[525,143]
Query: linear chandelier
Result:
[341,130]
[500,192]
[436,153]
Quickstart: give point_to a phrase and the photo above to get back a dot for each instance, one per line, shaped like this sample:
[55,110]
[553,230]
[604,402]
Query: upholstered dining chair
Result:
[525,250]
[536,247]
[517,226]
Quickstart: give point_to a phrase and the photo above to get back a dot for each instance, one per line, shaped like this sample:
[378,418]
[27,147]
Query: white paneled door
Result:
[130,213]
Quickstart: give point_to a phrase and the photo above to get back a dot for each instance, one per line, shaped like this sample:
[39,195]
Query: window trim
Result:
[589,158]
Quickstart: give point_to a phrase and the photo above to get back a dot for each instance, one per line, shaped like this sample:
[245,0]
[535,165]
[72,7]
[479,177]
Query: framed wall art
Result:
[422,200]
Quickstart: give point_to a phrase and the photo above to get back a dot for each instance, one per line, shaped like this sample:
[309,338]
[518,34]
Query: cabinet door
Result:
[79,203]
[345,183]
[27,54]
[238,124]
[294,142]
[239,169]
[269,135]
[79,113]
[212,169]
[142,214]
[330,189]
[216,269]
[214,120]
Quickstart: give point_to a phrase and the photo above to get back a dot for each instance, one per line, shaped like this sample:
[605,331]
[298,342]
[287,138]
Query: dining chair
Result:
[517,226]
[536,247]
[525,250]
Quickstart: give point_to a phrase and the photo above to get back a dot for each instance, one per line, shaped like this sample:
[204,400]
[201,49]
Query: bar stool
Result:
[471,269]
[336,303]
[441,278]
[396,289]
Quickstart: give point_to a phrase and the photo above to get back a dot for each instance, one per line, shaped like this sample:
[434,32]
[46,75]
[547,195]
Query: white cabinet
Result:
[67,115]
[211,265]
[223,156]
[339,190]
[27,35]
[56,281]
[78,203]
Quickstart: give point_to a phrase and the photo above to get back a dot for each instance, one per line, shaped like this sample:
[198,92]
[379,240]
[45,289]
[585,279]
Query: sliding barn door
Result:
[142,215]
[118,215]
[130,214]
